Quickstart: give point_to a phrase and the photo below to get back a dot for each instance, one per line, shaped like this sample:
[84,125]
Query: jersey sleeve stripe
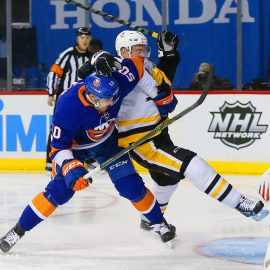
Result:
[144,120]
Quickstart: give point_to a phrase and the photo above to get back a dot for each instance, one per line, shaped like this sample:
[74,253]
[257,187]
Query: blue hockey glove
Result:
[165,100]
[73,170]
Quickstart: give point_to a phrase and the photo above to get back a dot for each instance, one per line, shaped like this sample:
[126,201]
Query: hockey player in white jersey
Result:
[141,111]
[148,106]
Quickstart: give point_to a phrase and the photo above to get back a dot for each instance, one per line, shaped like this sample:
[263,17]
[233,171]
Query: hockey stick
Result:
[115,19]
[160,127]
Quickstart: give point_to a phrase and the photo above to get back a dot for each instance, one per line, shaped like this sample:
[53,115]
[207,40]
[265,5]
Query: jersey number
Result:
[56,132]
[129,75]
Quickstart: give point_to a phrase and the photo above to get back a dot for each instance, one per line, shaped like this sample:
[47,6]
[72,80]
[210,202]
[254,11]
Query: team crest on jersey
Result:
[237,125]
[96,82]
[99,132]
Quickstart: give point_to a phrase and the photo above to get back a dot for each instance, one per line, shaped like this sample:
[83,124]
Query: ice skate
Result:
[250,208]
[146,225]
[48,168]
[164,230]
[11,238]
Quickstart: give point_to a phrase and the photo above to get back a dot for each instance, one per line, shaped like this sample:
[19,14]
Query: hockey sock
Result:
[149,207]
[38,210]
[210,182]
[163,194]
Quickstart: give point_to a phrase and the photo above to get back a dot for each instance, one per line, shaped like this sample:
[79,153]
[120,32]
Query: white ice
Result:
[99,230]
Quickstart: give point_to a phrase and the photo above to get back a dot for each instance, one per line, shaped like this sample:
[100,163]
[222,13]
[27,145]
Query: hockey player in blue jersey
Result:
[84,127]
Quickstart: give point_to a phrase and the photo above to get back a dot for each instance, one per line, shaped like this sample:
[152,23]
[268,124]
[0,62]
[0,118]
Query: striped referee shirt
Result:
[64,71]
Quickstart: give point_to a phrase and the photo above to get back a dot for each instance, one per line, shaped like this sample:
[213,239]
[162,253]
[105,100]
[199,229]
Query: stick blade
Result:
[266,263]
[264,186]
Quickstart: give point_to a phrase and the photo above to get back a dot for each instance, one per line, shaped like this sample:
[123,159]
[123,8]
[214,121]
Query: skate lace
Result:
[247,205]
[11,238]
[163,228]
[160,228]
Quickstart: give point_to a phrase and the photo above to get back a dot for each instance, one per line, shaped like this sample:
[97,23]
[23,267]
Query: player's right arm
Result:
[168,54]
[65,126]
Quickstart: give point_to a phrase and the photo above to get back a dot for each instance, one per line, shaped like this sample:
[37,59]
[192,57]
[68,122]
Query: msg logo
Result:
[237,125]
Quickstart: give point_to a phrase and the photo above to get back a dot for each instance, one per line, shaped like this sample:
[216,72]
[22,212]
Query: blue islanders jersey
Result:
[78,125]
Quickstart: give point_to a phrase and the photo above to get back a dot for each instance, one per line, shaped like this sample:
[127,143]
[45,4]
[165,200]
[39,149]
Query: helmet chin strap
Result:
[94,102]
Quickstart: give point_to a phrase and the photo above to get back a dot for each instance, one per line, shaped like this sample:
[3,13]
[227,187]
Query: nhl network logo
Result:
[237,125]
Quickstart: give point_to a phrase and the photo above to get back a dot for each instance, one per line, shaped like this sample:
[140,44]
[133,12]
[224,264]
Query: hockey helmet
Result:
[83,31]
[127,39]
[102,87]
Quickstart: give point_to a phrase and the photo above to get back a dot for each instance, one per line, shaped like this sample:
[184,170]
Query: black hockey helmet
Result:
[83,31]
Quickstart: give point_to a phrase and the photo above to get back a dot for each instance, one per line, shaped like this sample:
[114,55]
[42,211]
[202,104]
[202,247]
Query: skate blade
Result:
[261,215]
[172,243]
[169,244]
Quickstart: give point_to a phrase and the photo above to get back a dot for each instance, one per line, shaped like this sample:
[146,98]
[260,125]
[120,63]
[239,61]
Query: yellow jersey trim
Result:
[124,123]
[126,141]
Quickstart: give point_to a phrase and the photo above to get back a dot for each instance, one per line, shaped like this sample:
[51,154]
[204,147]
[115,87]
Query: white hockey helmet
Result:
[127,39]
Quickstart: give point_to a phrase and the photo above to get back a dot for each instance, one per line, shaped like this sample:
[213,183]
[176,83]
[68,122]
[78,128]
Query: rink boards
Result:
[230,130]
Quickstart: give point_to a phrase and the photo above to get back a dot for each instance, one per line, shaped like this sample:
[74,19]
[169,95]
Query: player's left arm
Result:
[128,72]
[131,73]
[168,54]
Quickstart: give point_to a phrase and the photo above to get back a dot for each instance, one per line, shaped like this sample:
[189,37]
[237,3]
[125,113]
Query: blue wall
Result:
[207,31]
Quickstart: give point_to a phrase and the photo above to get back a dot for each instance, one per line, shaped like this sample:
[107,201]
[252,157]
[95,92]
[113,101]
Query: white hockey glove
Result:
[264,185]
[104,63]
[167,44]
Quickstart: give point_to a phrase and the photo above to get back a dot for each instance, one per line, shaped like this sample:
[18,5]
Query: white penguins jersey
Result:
[137,116]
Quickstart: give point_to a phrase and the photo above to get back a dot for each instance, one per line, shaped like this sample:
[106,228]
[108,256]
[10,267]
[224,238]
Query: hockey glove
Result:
[104,63]
[167,44]
[73,171]
[165,100]
[85,70]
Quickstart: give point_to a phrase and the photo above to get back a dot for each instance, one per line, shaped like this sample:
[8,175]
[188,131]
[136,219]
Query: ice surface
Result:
[99,230]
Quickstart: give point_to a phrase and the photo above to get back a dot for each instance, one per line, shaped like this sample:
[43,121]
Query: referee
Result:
[64,72]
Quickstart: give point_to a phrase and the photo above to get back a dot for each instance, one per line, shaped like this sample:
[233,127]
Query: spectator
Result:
[199,80]
[257,84]
[64,72]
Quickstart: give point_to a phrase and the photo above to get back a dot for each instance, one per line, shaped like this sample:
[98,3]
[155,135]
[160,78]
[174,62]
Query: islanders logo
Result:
[101,131]
[96,83]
